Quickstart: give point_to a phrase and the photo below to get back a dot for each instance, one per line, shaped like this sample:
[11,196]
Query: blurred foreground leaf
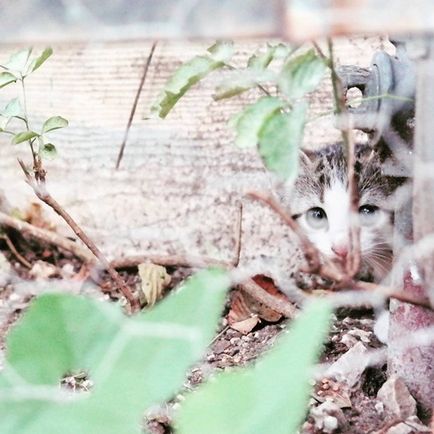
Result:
[270,397]
[133,362]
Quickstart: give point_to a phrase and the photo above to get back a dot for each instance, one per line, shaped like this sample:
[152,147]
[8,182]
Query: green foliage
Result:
[189,74]
[254,74]
[20,64]
[38,61]
[48,150]
[269,397]
[134,362]
[12,109]
[301,74]
[6,78]
[18,67]
[54,123]
[278,141]
[24,136]
[251,120]
[266,122]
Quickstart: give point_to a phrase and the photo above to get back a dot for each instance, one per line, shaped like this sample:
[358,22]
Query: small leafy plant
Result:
[17,69]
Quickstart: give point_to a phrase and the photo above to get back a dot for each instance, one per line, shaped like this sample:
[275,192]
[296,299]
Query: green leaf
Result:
[36,63]
[261,60]
[188,74]
[133,362]
[301,74]
[279,141]
[221,51]
[18,61]
[241,81]
[54,123]
[12,109]
[249,122]
[23,136]
[48,151]
[270,397]
[254,74]
[6,78]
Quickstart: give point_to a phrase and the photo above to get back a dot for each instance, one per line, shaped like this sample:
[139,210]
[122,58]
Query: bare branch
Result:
[46,236]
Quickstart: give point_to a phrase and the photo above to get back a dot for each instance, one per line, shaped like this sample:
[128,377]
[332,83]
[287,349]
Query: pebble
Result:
[396,398]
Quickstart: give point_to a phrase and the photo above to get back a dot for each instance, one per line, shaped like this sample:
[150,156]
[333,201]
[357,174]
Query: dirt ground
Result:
[335,405]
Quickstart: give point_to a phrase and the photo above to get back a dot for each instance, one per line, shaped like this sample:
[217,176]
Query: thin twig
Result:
[134,107]
[320,52]
[15,252]
[46,236]
[392,293]
[170,261]
[239,234]
[316,264]
[46,197]
[353,260]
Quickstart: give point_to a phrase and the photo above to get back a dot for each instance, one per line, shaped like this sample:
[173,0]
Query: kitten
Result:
[320,202]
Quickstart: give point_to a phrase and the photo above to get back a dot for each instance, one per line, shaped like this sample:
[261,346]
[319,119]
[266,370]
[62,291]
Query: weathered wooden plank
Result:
[181,180]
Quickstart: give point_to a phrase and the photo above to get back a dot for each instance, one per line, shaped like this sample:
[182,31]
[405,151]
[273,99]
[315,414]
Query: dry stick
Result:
[170,261]
[238,235]
[353,262]
[326,269]
[47,236]
[391,293]
[15,252]
[134,107]
[45,196]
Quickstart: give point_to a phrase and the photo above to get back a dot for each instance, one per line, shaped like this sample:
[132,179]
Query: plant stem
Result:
[36,161]
[353,260]
[46,236]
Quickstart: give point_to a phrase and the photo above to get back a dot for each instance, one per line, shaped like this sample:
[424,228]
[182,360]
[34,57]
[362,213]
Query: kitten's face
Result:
[321,205]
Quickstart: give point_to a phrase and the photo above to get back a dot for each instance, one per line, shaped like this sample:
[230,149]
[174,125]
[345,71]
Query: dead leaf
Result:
[245,326]
[244,306]
[153,281]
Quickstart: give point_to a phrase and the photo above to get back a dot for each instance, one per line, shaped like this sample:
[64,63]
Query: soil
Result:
[359,409]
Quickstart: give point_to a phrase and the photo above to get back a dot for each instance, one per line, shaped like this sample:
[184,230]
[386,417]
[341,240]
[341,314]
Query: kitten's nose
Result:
[340,250]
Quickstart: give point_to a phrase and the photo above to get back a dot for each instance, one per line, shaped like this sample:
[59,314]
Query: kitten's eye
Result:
[317,218]
[368,214]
